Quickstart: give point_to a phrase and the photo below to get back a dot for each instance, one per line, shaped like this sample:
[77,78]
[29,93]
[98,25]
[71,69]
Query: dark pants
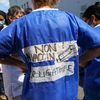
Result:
[2,93]
[1,84]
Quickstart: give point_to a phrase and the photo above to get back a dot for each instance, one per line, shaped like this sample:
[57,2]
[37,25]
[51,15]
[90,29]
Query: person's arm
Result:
[10,43]
[14,62]
[88,56]
[87,38]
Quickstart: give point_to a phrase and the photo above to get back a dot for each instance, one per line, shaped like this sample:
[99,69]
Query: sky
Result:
[4,5]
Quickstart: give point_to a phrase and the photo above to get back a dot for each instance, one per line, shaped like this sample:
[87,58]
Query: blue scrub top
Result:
[47,41]
[92,77]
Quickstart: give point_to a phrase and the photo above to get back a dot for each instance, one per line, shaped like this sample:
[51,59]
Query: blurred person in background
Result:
[28,10]
[97,4]
[3,23]
[3,20]
[92,69]
[14,13]
[12,84]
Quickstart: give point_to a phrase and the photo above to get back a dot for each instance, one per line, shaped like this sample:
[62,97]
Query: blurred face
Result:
[2,20]
[88,21]
[91,21]
[16,16]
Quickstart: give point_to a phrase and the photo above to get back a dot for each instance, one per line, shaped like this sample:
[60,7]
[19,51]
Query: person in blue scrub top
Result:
[47,39]
[92,69]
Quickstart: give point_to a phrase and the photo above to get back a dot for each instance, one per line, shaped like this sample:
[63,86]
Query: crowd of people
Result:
[41,51]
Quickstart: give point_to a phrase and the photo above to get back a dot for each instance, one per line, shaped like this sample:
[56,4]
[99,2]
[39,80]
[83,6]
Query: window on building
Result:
[81,14]
[27,4]
[24,5]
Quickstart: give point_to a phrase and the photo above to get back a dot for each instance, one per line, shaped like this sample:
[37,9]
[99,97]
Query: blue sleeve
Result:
[8,42]
[87,36]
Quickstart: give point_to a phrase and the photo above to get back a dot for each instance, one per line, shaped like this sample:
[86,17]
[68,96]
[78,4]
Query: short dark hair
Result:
[40,3]
[97,4]
[92,10]
[28,10]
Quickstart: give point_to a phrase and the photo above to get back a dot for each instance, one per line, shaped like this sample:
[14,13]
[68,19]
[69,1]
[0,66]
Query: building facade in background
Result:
[75,6]
[22,3]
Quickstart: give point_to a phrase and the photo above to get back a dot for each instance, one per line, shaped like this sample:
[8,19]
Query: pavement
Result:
[80,92]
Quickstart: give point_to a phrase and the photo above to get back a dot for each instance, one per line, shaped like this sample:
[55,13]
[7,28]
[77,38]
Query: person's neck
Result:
[97,23]
[42,7]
